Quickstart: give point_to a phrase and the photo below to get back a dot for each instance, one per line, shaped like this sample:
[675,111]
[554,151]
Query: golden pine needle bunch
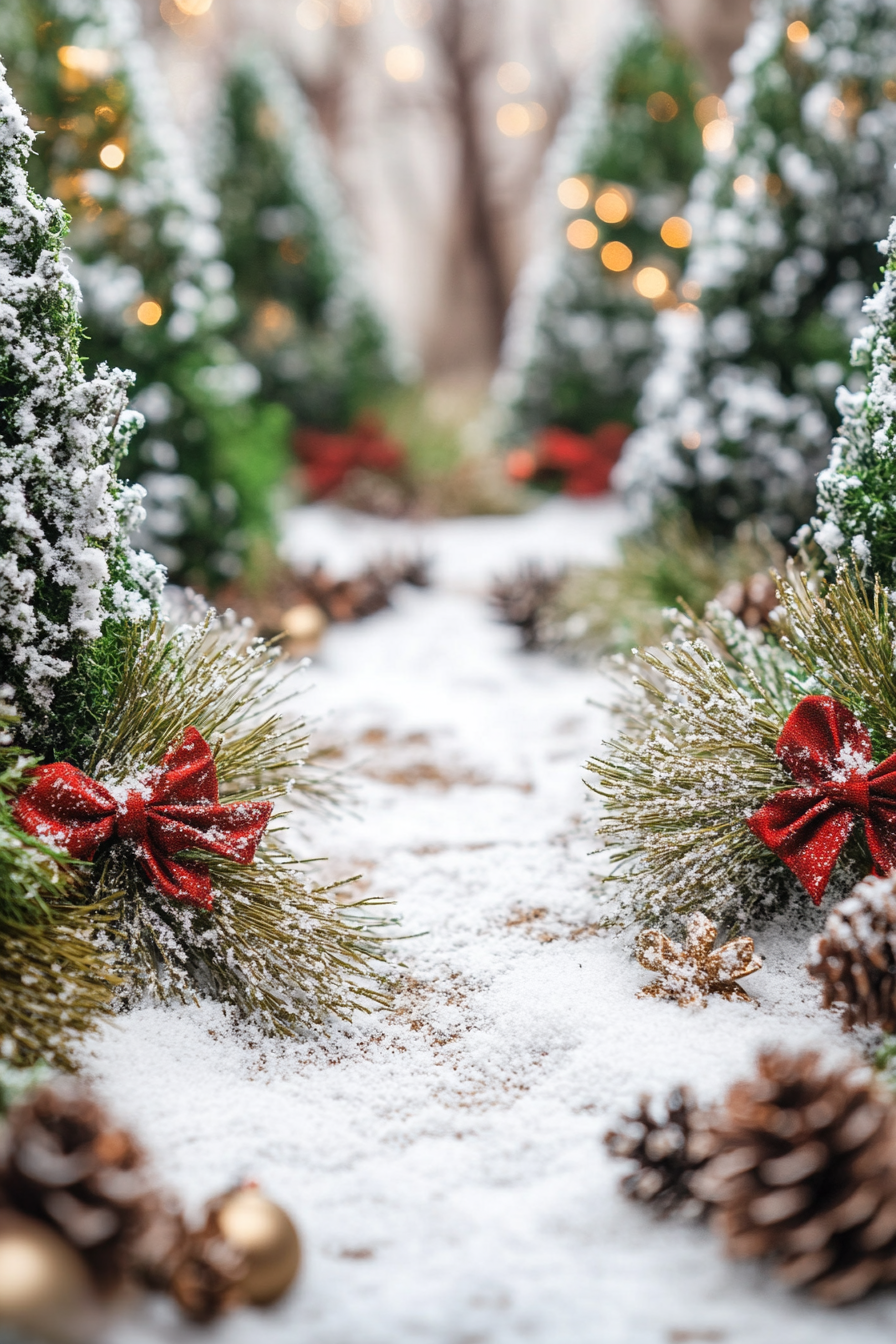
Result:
[702,717]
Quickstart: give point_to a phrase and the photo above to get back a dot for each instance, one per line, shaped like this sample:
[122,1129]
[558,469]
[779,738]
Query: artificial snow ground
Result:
[442,1157]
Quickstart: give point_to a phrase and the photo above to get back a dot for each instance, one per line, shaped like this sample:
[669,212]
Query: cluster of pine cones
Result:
[798,1163]
[66,1165]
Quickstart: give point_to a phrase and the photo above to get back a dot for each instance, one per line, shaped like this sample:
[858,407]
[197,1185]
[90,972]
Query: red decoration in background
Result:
[585,461]
[328,458]
[828,751]
[171,808]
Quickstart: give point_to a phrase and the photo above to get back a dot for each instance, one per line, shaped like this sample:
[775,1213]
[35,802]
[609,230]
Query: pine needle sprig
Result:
[218,679]
[843,637]
[275,948]
[55,984]
[702,717]
[33,875]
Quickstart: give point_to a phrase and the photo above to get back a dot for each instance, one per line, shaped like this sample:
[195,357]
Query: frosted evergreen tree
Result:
[798,185]
[68,576]
[857,490]
[580,335]
[304,319]
[157,294]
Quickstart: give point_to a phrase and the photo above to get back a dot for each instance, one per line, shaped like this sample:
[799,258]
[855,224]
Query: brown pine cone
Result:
[802,1168]
[855,956]
[666,1153]
[65,1163]
[523,598]
[752,601]
[207,1272]
[349,599]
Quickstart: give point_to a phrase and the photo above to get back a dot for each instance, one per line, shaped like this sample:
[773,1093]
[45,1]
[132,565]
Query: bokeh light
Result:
[612,206]
[92,62]
[691,440]
[582,233]
[405,63]
[691,290]
[651,282]
[616,256]
[745,185]
[718,135]
[709,109]
[574,193]
[351,13]
[662,106]
[112,155]
[149,312]
[676,232]
[513,77]
[797,31]
[193,8]
[538,117]
[513,119]
[312,14]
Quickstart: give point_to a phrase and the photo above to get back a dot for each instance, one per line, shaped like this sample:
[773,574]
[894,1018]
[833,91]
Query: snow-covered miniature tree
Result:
[304,320]
[580,334]
[798,186]
[857,490]
[68,575]
[157,294]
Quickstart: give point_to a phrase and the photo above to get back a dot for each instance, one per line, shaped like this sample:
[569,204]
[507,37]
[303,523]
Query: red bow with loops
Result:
[171,808]
[828,752]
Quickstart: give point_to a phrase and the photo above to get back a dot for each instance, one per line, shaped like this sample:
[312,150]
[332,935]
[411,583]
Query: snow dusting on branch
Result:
[65,559]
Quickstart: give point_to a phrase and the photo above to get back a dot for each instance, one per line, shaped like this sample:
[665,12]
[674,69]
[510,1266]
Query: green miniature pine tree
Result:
[157,295]
[68,575]
[798,186]
[579,344]
[303,319]
[857,490]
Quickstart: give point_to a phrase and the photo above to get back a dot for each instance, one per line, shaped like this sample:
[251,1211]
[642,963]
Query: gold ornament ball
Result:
[268,1240]
[45,1288]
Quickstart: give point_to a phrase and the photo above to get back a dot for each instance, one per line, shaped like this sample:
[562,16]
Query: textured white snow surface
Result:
[443,1157]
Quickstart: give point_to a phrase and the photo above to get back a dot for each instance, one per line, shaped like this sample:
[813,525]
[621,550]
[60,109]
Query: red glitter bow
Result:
[828,752]
[171,808]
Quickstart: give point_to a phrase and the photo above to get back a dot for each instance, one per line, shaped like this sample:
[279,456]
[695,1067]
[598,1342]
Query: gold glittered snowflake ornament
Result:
[690,973]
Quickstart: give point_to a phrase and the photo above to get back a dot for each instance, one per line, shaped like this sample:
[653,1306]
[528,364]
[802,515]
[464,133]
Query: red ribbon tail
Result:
[185,880]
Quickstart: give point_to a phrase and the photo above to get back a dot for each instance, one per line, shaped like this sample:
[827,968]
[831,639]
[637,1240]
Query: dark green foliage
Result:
[144,232]
[320,349]
[594,337]
[54,984]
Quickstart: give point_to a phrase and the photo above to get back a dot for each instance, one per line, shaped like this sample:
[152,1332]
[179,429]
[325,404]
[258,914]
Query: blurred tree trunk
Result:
[712,29]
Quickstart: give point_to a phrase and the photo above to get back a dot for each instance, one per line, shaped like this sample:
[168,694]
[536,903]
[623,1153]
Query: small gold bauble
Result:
[45,1288]
[268,1240]
[304,623]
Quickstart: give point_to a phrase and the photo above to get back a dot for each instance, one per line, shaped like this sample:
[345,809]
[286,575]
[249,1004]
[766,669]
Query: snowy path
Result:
[443,1157]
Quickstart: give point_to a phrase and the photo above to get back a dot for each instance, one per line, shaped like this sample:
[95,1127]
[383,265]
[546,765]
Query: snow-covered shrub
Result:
[797,188]
[66,566]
